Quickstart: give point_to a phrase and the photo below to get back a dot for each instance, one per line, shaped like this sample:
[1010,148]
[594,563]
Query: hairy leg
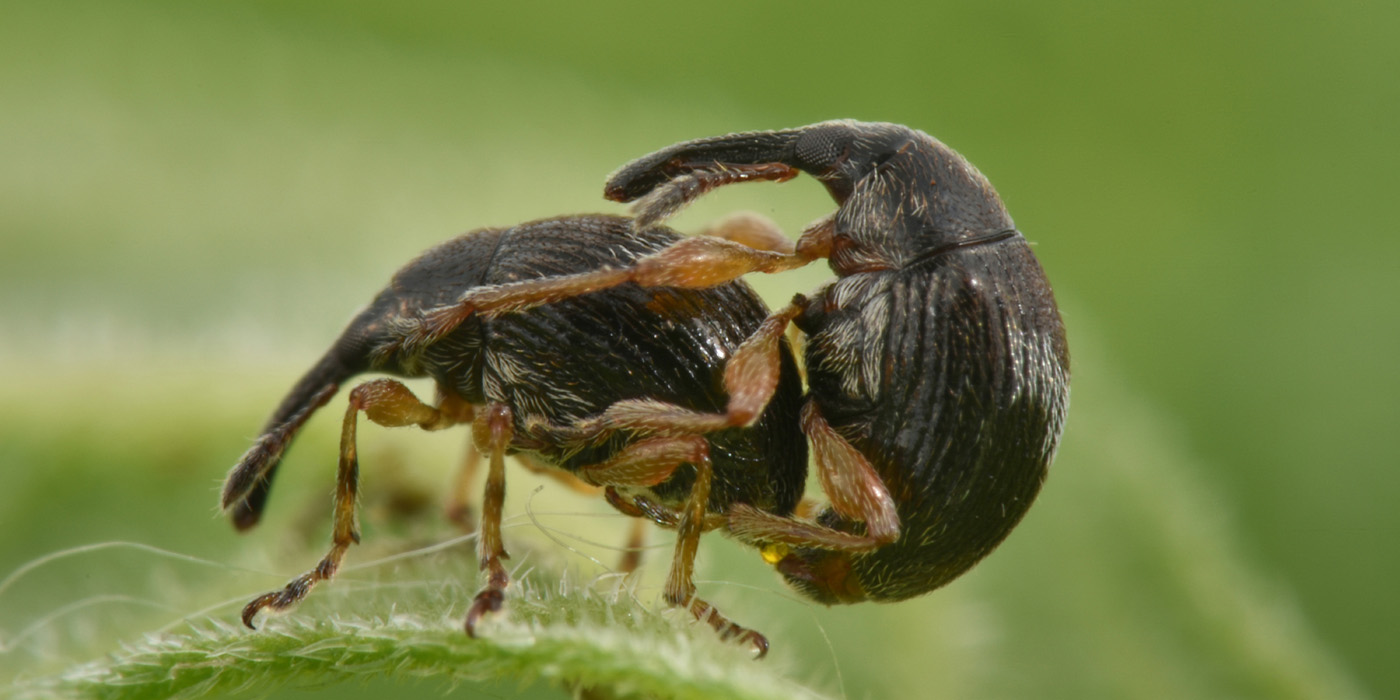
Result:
[652,461]
[388,403]
[493,430]
[691,263]
[849,481]
[459,501]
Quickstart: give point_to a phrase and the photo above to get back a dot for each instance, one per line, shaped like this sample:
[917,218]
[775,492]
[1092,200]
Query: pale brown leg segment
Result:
[493,430]
[568,480]
[753,230]
[636,538]
[680,583]
[650,462]
[750,378]
[850,482]
[665,516]
[387,403]
[691,263]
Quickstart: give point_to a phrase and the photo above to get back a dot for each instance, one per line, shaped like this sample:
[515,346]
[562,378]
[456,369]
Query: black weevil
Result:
[588,384]
[937,367]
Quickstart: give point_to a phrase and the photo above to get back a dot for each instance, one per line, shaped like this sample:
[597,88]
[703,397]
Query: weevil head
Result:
[842,153]
[902,193]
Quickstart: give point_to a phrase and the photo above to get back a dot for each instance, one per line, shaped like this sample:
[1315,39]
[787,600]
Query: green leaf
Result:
[405,621]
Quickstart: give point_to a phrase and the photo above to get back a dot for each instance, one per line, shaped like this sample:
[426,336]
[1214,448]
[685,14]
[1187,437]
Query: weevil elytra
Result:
[623,388]
[937,366]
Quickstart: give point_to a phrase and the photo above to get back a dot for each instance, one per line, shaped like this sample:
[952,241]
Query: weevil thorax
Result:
[435,278]
[903,194]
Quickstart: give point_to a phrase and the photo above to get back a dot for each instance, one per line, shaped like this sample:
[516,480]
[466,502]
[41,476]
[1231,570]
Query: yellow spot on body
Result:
[773,553]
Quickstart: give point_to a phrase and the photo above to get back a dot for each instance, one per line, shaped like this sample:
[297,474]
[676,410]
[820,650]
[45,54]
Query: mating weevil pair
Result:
[937,368]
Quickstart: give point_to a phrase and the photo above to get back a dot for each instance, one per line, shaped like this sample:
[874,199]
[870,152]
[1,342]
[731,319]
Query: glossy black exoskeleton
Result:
[937,365]
[938,354]
[593,384]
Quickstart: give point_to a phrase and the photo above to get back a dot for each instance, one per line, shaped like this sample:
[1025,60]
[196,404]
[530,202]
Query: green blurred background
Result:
[194,197]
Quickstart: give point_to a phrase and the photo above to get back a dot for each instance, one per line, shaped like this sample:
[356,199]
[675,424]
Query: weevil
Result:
[593,385]
[937,365]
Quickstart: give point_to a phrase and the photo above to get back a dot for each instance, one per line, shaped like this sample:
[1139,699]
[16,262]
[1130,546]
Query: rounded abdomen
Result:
[957,396]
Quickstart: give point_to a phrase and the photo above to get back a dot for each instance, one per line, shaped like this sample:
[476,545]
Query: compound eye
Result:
[821,148]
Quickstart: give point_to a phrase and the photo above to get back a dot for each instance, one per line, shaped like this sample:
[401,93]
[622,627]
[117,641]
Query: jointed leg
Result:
[691,263]
[750,378]
[645,462]
[387,403]
[751,229]
[665,516]
[680,583]
[568,480]
[493,430]
[632,552]
[652,461]
[850,482]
